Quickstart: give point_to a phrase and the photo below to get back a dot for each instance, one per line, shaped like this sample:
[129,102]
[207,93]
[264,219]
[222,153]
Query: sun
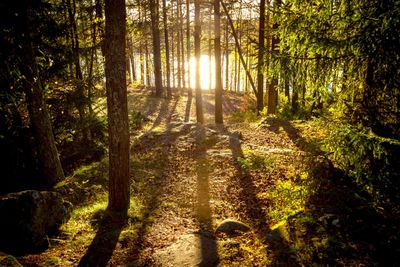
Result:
[207,72]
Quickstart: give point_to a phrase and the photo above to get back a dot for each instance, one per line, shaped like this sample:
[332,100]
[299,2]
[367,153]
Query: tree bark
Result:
[197,33]
[147,61]
[188,46]
[49,161]
[115,70]
[156,47]
[80,95]
[168,66]
[180,16]
[178,51]
[260,65]
[272,90]
[218,74]
[226,56]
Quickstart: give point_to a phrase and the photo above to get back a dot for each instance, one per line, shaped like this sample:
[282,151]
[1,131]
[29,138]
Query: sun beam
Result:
[207,73]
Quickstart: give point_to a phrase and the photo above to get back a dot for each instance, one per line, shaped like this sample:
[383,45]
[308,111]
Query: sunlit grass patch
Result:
[253,160]
[246,116]
[286,198]
[86,219]
[243,250]
[81,227]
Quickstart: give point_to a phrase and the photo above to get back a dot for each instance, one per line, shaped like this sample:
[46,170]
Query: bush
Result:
[370,159]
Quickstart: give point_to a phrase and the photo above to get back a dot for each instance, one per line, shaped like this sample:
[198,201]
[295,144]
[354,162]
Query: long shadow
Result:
[149,106]
[275,124]
[165,112]
[187,109]
[355,228]
[209,253]
[227,103]
[154,190]
[103,245]
[252,206]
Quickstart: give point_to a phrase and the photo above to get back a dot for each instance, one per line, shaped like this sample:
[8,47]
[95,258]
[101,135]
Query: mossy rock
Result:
[9,261]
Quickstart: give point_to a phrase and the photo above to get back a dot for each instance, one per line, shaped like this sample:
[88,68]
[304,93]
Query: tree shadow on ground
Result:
[154,189]
[276,124]
[104,243]
[166,111]
[209,253]
[251,204]
[342,223]
[188,108]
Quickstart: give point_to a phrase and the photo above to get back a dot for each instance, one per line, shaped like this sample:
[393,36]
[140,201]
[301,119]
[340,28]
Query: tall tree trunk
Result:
[173,54]
[248,62]
[156,47]
[80,101]
[272,90]
[188,47]
[226,56]
[93,57]
[295,100]
[99,19]
[147,61]
[218,63]
[260,64]
[238,75]
[115,70]
[235,71]
[209,57]
[178,60]
[197,33]
[287,91]
[141,57]
[48,157]
[180,16]
[168,66]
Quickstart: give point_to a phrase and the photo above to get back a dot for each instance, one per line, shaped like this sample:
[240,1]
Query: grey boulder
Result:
[28,217]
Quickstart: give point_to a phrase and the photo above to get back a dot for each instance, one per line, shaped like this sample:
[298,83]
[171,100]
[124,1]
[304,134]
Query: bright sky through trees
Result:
[206,70]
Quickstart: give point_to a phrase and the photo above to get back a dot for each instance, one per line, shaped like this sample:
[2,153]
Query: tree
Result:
[156,47]
[188,46]
[168,67]
[48,157]
[197,33]
[239,50]
[272,90]
[260,65]
[218,74]
[115,70]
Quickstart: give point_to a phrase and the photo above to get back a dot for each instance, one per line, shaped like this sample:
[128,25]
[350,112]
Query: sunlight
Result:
[207,72]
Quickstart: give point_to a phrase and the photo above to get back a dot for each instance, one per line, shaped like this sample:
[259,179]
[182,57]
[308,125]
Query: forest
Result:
[199,133]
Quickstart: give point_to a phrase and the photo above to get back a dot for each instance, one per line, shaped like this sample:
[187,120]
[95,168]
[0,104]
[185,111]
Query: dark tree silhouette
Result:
[117,106]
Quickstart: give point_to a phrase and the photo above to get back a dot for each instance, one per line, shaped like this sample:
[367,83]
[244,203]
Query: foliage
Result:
[136,119]
[351,45]
[286,112]
[246,116]
[366,157]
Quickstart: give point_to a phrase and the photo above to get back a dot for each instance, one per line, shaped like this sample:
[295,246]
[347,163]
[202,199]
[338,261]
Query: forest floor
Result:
[187,178]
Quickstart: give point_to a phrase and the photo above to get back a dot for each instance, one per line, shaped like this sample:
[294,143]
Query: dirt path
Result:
[186,180]
[202,182]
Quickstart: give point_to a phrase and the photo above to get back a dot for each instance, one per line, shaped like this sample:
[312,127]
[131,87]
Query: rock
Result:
[28,217]
[8,261]
[279,233]
[189,250]
[232,227]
